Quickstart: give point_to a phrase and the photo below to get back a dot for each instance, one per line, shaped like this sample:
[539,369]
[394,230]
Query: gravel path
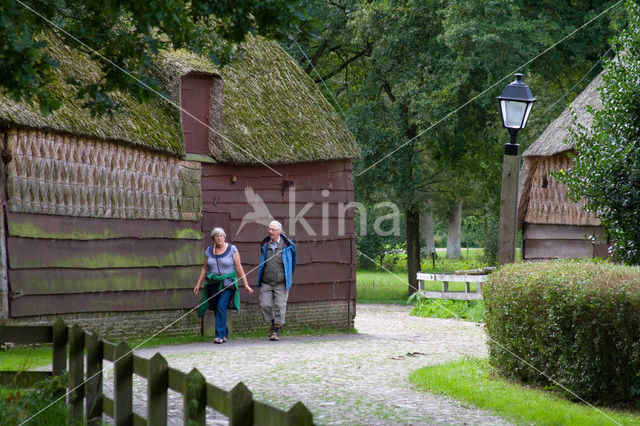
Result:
[342,379]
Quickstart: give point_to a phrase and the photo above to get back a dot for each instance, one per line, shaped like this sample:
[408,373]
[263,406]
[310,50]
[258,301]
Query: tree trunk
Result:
[454,231]
[426,230]
[413,247]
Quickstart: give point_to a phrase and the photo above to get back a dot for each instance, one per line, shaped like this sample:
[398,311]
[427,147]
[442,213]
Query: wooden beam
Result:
[26,282]
[34,253]
[26,334]
[82,228]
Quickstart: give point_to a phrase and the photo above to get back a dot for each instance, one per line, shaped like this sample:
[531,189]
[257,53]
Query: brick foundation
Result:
[119,325]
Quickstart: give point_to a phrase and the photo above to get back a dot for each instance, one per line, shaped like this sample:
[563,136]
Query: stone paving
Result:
[342,379]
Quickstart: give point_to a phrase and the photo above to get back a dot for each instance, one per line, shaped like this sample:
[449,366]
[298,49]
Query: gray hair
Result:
[218,230]
[277,224]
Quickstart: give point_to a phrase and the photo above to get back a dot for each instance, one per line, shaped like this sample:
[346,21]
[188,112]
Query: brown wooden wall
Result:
[549,241]
[326,261]
[62,264]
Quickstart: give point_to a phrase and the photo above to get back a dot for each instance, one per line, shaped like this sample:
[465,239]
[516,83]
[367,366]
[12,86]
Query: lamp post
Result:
[516,102]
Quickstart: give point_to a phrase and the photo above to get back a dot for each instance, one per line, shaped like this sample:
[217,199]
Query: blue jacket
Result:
[289,258]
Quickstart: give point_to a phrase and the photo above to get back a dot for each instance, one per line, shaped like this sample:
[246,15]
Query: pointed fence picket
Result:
[88,402]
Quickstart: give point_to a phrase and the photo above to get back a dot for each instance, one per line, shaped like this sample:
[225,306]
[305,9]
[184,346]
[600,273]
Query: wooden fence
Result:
[87,402]
[446,293]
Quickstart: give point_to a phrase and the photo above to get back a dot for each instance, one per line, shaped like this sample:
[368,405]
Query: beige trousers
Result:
[273,302]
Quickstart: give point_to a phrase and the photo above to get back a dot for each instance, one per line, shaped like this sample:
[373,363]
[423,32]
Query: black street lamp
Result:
[516,102]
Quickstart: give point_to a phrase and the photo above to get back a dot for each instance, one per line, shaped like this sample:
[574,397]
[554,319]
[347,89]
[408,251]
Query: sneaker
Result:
[217,340]
[224,339]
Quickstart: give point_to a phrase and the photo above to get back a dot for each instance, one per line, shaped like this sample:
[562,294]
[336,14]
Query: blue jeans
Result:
[221,313]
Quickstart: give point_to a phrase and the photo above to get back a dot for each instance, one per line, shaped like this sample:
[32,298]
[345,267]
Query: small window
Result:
[545,181]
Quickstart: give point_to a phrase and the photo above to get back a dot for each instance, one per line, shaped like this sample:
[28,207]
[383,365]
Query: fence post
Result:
[195,398]
[93,386]
[76,371]
[60,339]
[157,385]
[240,406]
[123,385]
[299,415]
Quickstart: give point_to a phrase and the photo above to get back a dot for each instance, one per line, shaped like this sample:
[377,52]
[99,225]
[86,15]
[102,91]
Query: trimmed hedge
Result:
[576,321]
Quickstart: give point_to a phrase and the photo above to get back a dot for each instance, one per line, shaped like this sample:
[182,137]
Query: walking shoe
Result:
[274,334]
[224,339]
[217,340]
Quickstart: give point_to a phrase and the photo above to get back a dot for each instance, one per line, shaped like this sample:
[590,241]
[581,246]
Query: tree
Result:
[402,70]
[127,35]
[606,167]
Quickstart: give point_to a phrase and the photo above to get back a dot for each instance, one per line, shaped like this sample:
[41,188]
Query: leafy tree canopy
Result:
[129,34]
[607,166]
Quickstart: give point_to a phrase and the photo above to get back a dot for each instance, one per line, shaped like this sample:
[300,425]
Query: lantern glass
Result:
[515,113]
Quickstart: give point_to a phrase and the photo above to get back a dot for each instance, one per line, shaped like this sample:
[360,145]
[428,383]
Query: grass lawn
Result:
[472,381]
[25,358]
[382,287]
[391,287]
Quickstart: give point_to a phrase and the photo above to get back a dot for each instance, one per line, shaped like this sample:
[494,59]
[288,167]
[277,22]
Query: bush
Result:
[576,321]
[470,310]
[19,405]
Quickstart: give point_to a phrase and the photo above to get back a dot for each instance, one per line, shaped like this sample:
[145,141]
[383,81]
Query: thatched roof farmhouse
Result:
[553,225]
[106,217]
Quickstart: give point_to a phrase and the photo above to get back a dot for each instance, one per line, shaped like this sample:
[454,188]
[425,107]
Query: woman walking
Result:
[221,268]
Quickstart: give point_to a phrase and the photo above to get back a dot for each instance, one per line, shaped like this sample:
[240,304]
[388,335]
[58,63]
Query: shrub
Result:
[471,310]
[19,405]
[576,321]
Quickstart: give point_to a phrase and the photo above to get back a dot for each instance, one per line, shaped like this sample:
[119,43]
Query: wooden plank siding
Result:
[124,301]
[549,241]
[326,260]
[82,228]
[62,264]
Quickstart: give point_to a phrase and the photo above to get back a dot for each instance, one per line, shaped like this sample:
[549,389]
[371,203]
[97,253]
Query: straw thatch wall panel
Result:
[548,200]
[58,174]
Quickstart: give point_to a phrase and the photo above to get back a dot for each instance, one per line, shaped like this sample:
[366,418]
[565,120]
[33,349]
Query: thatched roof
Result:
[554,139]
[542,199]
[155,125]
[272,111]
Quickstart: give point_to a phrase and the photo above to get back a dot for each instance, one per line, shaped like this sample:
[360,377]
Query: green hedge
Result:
[576,321]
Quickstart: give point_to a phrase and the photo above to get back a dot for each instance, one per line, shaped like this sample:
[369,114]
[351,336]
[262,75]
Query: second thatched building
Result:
[553,226]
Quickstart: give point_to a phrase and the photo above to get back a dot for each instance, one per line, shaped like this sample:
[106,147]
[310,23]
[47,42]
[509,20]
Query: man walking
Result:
[277,264]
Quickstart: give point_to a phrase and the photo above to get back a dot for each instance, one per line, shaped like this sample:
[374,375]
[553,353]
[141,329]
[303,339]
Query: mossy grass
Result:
[474,382]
